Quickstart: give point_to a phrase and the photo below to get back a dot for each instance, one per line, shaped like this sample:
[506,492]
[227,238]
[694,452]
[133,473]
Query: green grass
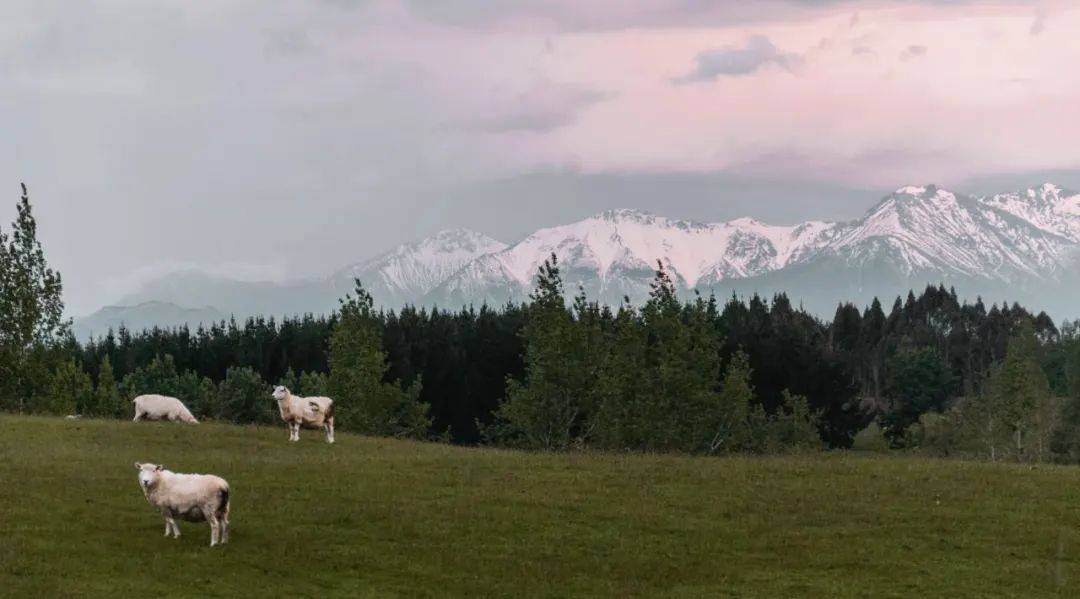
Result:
[383,518]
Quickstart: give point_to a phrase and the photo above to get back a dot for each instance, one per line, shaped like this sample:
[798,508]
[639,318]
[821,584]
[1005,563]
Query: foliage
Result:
[918,382]
[158,377]
[107,400]
[244,397]
[31,312]
[364,402]
[70,391]
[549,407]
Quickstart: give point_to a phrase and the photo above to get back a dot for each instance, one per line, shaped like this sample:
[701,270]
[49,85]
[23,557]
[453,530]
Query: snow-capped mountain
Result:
[931,230]
[1021,246]
[408,272]
[1047,207]
[614,254]
[917,235]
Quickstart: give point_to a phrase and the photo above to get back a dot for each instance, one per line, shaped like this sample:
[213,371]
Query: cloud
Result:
[913,51]
[735,61]
[1038,25]
[543,107]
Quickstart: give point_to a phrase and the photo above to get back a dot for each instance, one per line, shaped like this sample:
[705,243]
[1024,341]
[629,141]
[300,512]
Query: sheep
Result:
[161,407]
[191,497]
[307,412]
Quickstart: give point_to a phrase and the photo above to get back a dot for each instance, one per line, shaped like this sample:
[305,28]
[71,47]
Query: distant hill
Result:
[144,315]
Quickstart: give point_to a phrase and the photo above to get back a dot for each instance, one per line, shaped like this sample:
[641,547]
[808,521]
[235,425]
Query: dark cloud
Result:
[735,61]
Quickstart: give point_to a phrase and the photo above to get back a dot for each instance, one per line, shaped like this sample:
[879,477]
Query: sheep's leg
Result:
[138,416]
[223,535]
[170,522]
[330,430]
[296,431]
[168,528]
[215,526]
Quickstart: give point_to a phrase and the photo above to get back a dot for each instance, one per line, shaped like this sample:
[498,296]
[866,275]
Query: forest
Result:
[700,375]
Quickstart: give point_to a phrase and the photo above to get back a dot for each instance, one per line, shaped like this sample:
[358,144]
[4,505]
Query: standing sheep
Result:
[191,497]
[161,407]
[307,412]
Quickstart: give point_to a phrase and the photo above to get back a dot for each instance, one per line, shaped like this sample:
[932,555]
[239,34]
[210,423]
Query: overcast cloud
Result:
[280,139]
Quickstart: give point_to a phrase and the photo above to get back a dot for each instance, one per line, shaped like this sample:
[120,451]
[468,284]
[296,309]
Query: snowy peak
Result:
[928,229]
[1048,207]
[412,269]
[614,253]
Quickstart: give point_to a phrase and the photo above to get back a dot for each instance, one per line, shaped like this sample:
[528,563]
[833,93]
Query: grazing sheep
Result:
[161,407]
[191,497]
[307,412]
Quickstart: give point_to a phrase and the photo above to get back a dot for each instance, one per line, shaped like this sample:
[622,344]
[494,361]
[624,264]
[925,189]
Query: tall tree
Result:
[31,310]
[918,382]
[107,401]
[547,408]
[363,401]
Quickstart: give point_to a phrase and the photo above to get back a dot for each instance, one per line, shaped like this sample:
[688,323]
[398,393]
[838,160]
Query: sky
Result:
[275,139]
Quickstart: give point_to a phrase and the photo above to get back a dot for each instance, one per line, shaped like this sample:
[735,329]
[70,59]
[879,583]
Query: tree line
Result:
[690,375]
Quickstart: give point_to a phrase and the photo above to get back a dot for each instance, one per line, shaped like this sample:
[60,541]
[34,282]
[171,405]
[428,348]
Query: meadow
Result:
[386,518]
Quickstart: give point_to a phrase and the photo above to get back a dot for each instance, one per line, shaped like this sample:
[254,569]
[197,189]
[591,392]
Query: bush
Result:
[244,398]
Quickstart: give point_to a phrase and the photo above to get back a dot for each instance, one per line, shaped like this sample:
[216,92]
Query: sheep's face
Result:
[148,474]
[280,393]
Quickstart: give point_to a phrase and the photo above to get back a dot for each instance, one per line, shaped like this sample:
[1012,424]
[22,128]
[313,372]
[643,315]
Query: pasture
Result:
[386,518]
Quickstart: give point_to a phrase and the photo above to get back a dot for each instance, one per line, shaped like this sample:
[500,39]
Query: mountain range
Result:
[1019,246]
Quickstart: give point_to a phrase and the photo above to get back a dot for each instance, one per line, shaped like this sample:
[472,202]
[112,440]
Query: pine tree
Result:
[31,311]
[244,397]
[70,391]
[547,408]
[107,401]
[313,384]
[364,402]
[681,408]
[739,424]
[1015,414]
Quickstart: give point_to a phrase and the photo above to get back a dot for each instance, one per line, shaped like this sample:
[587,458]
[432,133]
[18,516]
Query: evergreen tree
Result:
[357,366]
[313,384]
[795,427]
[31,311]
[1014,416]
[741,426]
[199,394]
[107,401]
[682,410]
[918,382]
[547,409]
[70,391]
[244,397]
[157,377]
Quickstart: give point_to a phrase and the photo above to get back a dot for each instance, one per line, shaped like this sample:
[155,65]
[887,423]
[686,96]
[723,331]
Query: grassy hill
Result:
[383,518]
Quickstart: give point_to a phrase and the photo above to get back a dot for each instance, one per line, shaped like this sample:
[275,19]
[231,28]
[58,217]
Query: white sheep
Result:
[306,412]
[191,497]
[161,407]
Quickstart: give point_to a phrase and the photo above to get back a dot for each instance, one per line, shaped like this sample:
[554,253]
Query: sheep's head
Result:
[280,392]
[148,474]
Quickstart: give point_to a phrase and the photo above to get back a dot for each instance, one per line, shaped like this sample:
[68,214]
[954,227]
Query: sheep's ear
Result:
[160,467]
[138,466]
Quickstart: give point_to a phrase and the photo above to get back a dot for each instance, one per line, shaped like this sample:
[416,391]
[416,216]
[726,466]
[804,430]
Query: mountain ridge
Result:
[1023,243]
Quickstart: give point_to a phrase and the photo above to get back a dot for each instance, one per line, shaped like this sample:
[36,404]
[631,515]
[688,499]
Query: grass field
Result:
[383,518]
